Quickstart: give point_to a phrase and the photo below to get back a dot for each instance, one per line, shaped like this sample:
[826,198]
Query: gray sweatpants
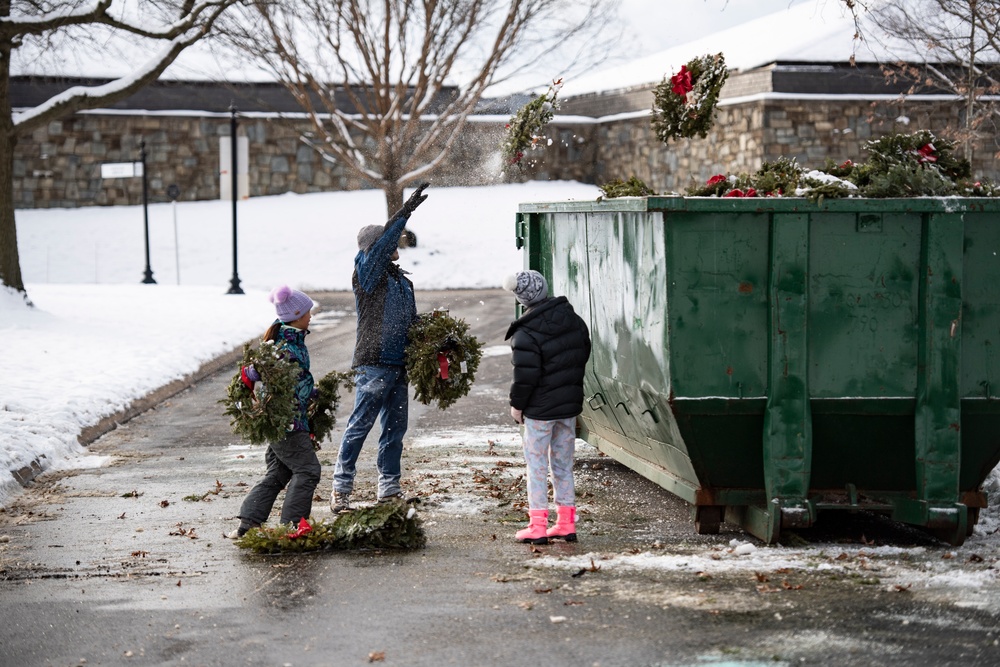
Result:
[292,462]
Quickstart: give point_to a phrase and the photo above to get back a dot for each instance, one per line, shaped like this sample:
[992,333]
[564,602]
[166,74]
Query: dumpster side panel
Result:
[979,383]
[863,334]
[718,303]
[863,304]
[718,319]
[629,328]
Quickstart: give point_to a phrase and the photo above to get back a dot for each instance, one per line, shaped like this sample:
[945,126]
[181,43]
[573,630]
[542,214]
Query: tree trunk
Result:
[10,263]
[393,197]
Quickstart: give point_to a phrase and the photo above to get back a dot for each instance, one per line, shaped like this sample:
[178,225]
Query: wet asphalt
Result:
[126,564]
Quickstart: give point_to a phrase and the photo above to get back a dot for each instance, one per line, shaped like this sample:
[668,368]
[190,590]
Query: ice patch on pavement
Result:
[478,436]
[461,506]
[739,556]
[81,461]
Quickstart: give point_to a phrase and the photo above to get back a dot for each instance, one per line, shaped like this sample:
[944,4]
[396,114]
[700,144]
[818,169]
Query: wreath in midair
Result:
[684,104]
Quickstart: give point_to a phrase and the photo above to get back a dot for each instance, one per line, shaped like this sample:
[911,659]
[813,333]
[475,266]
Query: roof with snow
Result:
[806,33]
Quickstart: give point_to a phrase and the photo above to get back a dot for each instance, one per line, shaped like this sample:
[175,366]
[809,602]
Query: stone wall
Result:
[745,135]
[59,165]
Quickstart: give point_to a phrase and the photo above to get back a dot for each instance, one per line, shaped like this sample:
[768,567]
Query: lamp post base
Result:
[234,286]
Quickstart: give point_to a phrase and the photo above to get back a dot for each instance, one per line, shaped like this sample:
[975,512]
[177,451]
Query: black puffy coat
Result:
[550,346]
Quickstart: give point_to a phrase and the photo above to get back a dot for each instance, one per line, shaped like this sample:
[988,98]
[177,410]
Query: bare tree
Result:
[163,27]
[389,84]
[960,43]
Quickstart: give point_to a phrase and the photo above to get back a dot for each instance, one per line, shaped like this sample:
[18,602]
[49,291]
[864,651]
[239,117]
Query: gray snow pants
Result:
[292,462]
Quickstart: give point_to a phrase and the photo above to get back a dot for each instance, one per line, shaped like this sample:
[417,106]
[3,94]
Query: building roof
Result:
[820,32]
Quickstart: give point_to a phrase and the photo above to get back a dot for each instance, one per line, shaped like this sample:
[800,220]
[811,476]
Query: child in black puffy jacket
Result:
[550,346]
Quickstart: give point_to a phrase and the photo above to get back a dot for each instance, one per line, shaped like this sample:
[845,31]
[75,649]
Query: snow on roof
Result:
[810,32]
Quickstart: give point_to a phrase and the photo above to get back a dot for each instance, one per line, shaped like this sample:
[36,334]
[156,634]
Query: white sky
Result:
[658,24]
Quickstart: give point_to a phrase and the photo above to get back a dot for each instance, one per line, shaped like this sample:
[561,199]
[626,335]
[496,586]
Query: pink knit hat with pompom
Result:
[290,304]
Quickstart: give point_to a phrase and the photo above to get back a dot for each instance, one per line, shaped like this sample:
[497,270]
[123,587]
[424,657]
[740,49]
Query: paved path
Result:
[126,564]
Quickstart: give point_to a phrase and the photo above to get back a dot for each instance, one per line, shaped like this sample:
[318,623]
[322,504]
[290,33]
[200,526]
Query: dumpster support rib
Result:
[938,424]
[787,417]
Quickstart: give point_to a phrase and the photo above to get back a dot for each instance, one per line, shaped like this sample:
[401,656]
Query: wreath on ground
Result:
[442,358]
[525,127]
[684,104]
[264,413]
[392,525]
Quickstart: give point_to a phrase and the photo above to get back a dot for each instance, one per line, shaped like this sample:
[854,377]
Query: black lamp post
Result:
[148,275]
[234,283]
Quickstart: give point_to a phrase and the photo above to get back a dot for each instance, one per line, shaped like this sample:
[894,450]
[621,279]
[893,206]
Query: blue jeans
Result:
[379,391]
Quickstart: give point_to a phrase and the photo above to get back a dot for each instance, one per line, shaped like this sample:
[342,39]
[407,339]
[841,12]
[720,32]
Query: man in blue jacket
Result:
[383,297]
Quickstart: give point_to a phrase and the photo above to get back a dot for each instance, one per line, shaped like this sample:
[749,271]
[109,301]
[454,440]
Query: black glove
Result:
[415,200]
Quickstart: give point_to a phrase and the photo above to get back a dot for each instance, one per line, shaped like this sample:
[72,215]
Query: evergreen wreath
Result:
[262,416]
[323,408]
[684,104]
[441,358]
[382,526]
[524,128]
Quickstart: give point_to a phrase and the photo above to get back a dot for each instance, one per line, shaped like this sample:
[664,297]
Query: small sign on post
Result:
[134,170]
[121,169]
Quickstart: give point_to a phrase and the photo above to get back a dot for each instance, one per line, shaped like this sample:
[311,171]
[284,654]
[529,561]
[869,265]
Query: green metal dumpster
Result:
[771,359]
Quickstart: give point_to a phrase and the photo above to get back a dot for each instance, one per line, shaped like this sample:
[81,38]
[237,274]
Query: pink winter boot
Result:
[535,532]
[565,528]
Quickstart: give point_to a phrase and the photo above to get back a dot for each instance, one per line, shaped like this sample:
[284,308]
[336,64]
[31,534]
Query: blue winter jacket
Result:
[383,296]
[292,343]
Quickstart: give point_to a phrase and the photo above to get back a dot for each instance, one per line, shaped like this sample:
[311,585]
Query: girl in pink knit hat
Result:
[292,461]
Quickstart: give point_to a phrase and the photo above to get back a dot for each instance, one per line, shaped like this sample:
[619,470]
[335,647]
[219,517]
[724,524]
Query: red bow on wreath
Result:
[681,82]
[303,529]
[926,153]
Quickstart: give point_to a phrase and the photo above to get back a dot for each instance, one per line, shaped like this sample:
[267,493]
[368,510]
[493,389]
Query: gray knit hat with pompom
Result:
[528,286]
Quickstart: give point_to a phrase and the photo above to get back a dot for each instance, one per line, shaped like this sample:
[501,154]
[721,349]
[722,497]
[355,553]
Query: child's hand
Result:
[249,375]
[516,414]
